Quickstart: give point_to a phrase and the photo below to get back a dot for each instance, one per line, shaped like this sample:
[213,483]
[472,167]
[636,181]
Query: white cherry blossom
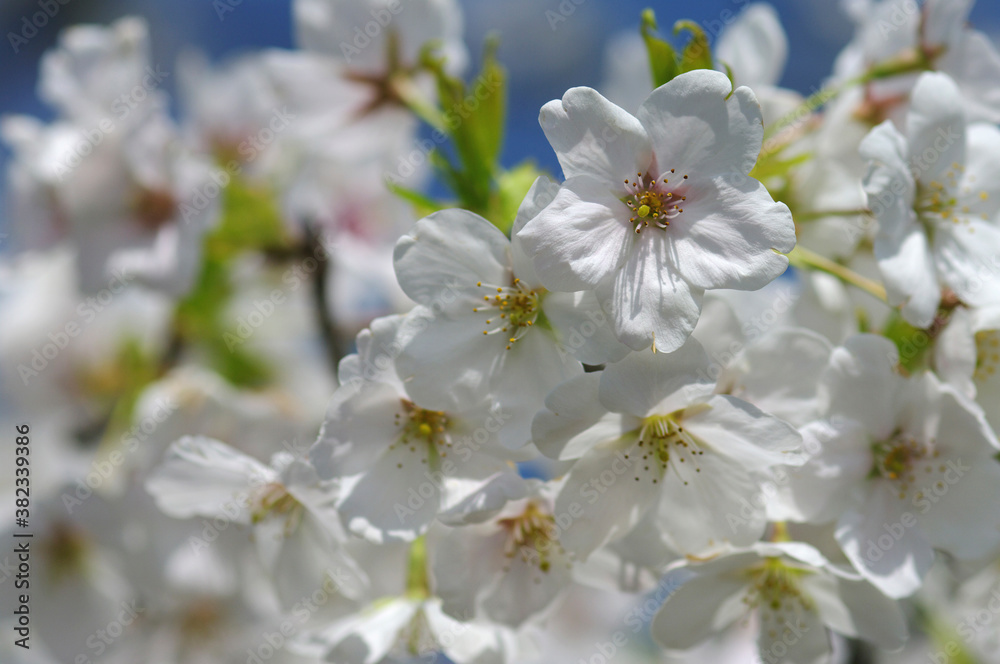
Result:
[649,434]
[793,595]
[657,208]
[935,194]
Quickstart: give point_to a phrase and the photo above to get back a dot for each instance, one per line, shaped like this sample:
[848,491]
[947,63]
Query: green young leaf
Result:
[490,89]
[512,186]
[662,59]
[697,54]
[250,220]
[912,342]
[423,205]
[473,118]
[772,165]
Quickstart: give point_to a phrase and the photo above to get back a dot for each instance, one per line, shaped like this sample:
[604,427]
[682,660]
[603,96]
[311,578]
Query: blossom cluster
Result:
[726,389]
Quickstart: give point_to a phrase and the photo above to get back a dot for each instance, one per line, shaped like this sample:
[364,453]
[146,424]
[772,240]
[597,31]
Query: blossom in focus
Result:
[656,208]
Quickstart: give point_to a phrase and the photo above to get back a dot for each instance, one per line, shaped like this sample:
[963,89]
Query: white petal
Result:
[741,431]
[968,257]
[524,589]
[574,420]
[807,642]
[604,497]
[468,642]
[651,305]
[466,562]
[397,499]
[783,367]
[706,503]
[861,383]
[974,63]
[580,238]
[447,363]
[360,424]
[895,558]
[909,272]
[370,635]
[819,491]
[542,192]
[534,365]
[204,477]
[936,120]
[700,126]
[952,514]
[754,46]
[703,606]
[592,136]
[857,609]
[656,383]
[451,250]
[583,326]
[979,184]
[732,234]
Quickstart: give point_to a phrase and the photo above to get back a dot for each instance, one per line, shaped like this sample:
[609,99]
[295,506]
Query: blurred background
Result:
[543,60]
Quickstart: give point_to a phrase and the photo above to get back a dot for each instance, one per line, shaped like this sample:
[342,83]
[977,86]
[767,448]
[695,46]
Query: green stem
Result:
[819,214]
[804,258]
[418,583]
[407,92]
[887,69]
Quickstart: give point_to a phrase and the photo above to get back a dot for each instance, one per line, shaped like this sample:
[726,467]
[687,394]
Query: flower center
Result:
[154,207]
[67,550]
[987,355]
[938,201]
[663,443]
[423,431]
[532,535]
[899,460]
[776,591]
[652,201]
[274,500]
[510,311]
[202,621]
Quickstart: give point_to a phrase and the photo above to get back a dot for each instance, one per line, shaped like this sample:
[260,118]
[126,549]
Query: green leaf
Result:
[771,165]
[512,186]
[912,342]
[662,59]
[473,118]
[423,205]
[492,83]
[698,53]
[250,220]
